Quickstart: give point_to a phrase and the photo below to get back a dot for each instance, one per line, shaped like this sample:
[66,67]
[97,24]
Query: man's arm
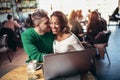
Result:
[17,24]
[30,48]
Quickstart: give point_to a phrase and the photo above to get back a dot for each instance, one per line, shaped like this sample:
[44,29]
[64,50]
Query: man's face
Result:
[44,25]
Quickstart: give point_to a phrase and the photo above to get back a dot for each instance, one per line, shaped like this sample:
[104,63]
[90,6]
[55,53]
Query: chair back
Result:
[3,40]
[102,37]
[67,64]
[3,43]
[111,18]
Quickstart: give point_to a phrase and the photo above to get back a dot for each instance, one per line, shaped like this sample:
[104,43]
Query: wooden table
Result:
[20,74]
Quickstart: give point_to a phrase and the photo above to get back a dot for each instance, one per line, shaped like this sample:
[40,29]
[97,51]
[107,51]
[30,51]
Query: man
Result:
[11,24]
[38,41]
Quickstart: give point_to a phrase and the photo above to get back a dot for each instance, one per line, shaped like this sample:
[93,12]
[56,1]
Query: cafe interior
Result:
[98,61]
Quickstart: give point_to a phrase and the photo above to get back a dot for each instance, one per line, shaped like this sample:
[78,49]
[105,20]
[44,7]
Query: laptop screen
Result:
[67,64]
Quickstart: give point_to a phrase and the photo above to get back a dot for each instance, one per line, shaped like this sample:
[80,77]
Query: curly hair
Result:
[62,20]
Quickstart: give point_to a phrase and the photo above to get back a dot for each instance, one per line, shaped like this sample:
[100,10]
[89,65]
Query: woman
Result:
[74,25]
[65,41]
[95,25]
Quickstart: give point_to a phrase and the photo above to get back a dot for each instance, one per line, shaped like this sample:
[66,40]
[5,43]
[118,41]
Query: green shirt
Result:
[36,45]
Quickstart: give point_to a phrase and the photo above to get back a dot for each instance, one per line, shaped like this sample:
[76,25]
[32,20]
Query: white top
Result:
[71,43]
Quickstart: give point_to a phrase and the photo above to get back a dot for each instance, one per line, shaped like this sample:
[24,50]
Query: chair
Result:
[93,63]
[112,19]
[101,42]
[3,46]
[68,64]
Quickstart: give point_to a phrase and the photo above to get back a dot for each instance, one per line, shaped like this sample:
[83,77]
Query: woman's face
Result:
[55,25]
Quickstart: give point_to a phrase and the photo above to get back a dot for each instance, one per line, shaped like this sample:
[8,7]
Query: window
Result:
[105,7]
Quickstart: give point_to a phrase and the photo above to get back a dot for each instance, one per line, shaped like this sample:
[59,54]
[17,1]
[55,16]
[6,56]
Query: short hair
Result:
[62,20]
[38,15]
[9,16]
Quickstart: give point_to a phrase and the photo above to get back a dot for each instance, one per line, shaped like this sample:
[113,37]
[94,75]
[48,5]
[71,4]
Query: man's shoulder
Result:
[28,31]
[49,33]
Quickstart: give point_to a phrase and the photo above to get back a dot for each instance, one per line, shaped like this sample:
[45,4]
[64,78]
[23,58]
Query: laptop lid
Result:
[67,64]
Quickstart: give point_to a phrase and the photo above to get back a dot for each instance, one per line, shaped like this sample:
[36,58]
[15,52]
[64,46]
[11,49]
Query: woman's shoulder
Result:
[67,35]
[71,36]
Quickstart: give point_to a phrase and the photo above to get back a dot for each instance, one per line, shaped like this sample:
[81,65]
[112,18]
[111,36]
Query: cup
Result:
[31,68]
[34,62]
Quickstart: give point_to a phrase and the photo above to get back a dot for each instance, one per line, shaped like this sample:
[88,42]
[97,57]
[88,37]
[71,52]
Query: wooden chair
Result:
[3,46]
[101,46]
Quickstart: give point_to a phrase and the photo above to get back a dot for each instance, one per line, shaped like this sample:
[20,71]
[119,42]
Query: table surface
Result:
[20,74]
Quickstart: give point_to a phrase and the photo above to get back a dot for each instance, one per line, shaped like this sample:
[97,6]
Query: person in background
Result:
[79,15]
[38,41]
[16,18]
[72,15]
[11,37]
[11,23]
[65,41]
[98,12]
[74,25]
[88,13]
[29,22]
[95,25]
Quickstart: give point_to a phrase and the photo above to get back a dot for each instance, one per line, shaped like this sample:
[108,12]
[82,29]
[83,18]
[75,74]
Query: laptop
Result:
[68,65]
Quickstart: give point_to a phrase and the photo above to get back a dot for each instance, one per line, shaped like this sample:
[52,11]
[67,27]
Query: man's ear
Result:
[36,22]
